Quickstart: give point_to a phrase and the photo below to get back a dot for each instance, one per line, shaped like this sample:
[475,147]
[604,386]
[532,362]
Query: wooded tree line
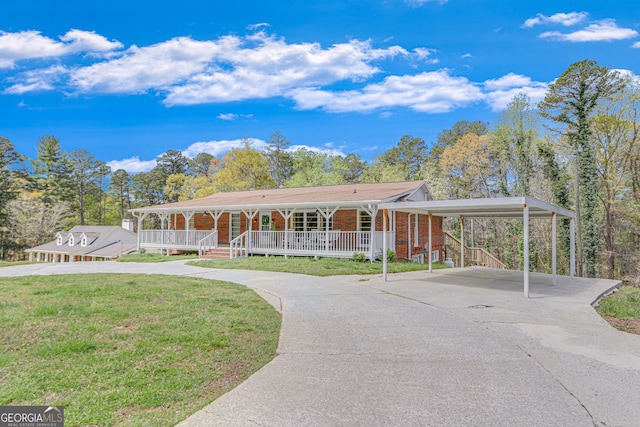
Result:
[579,149]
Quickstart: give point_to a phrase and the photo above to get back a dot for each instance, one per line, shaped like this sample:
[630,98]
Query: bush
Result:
[391,256]
[359,257]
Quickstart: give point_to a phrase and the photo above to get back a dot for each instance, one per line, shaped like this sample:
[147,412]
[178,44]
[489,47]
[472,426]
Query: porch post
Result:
[187,218]
[553,248]
[385,217]
[461,242]
[286,215]
[572,247]
[429,254]
[526,250]
[327,216]
[249,215]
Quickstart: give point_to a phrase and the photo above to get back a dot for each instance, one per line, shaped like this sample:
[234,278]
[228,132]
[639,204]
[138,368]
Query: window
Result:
[71,240]
[309,221]
[83,242]
[435,256]
[59,240]
[364,221]
[416,235]
[235,225]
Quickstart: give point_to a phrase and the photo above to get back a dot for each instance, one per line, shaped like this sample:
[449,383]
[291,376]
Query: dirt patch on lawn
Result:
[631,326]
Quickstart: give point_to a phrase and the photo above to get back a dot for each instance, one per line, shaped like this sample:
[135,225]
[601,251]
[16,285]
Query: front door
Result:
[265,221]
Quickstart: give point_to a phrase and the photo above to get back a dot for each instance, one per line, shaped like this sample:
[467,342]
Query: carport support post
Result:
[461,242]
[572,247]
[385,218]
[429,254]
[526,250]
[553,248]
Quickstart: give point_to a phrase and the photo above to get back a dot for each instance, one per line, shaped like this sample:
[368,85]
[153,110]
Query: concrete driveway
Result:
[455,347]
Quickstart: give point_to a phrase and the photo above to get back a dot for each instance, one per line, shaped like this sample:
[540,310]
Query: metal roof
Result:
[499,207]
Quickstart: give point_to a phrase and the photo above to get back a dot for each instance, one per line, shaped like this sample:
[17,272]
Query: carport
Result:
[523,208]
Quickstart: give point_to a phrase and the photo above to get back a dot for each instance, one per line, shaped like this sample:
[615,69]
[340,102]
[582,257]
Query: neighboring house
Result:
[87,243]
[326,221]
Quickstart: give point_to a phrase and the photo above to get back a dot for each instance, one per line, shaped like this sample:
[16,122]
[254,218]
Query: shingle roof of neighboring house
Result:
[347,194]
[102,241]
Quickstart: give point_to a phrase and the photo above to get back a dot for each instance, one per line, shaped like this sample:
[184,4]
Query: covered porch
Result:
[326,231]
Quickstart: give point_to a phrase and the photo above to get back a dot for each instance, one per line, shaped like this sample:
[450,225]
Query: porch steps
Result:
[216,253]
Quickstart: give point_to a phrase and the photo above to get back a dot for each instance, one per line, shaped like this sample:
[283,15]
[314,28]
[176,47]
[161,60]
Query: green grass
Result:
[311,266]
[148,257]
[10,263]
[137,350]
[624,304]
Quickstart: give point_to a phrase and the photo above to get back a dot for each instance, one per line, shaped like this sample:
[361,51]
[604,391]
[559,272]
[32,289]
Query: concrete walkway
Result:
[455,347]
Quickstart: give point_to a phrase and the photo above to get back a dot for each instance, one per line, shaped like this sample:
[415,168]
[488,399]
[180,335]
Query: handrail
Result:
[479,256]
[238,245]
[210,241]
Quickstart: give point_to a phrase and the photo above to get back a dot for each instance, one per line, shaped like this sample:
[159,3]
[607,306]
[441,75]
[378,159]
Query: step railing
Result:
[238,246]
[210,241]
[472,255]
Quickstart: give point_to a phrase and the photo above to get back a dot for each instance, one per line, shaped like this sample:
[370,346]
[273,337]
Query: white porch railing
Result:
[208,242]
[238,246]
[178,239]
[321,243]
[303,243]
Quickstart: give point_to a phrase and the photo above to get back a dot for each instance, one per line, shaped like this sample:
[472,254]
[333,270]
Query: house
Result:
[325,221]
[87,243]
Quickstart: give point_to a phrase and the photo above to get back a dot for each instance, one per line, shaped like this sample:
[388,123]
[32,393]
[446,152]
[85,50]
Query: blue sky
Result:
[129,80]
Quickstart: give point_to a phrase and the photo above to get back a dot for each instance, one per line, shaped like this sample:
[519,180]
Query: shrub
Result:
[359,257]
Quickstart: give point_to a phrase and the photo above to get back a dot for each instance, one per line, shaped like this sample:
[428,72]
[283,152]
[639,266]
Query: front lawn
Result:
[12,263]
[311,266]
[137,350]
[622,309]
[149,257]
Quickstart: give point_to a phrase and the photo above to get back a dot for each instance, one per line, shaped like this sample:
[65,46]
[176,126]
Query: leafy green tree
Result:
[280,161]
[408,156]
[170,163]
[85,176]
[148,188]
[52,171]
[313,168]
[120,189]
[615,137]
[349,167]
[449,137]
[52,179]
[381,171]
[244,169]
[10,178]
[515,139]
[570,102]
[204,164]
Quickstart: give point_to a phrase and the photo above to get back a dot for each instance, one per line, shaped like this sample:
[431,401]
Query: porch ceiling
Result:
[503,207]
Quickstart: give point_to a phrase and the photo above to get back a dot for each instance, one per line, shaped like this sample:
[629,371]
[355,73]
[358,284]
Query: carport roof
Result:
[499,207]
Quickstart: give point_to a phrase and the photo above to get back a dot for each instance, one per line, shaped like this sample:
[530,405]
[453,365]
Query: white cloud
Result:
[424,53]
[32,45]
[636,45]
[604,30]
[418,3]
[429,92]
[466,55]
[132,165]
[232,116]
[258,26]
[327,150]
[566,19]
[157,66]
[219,147]
[37,80]
[272,67]
[500,92]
